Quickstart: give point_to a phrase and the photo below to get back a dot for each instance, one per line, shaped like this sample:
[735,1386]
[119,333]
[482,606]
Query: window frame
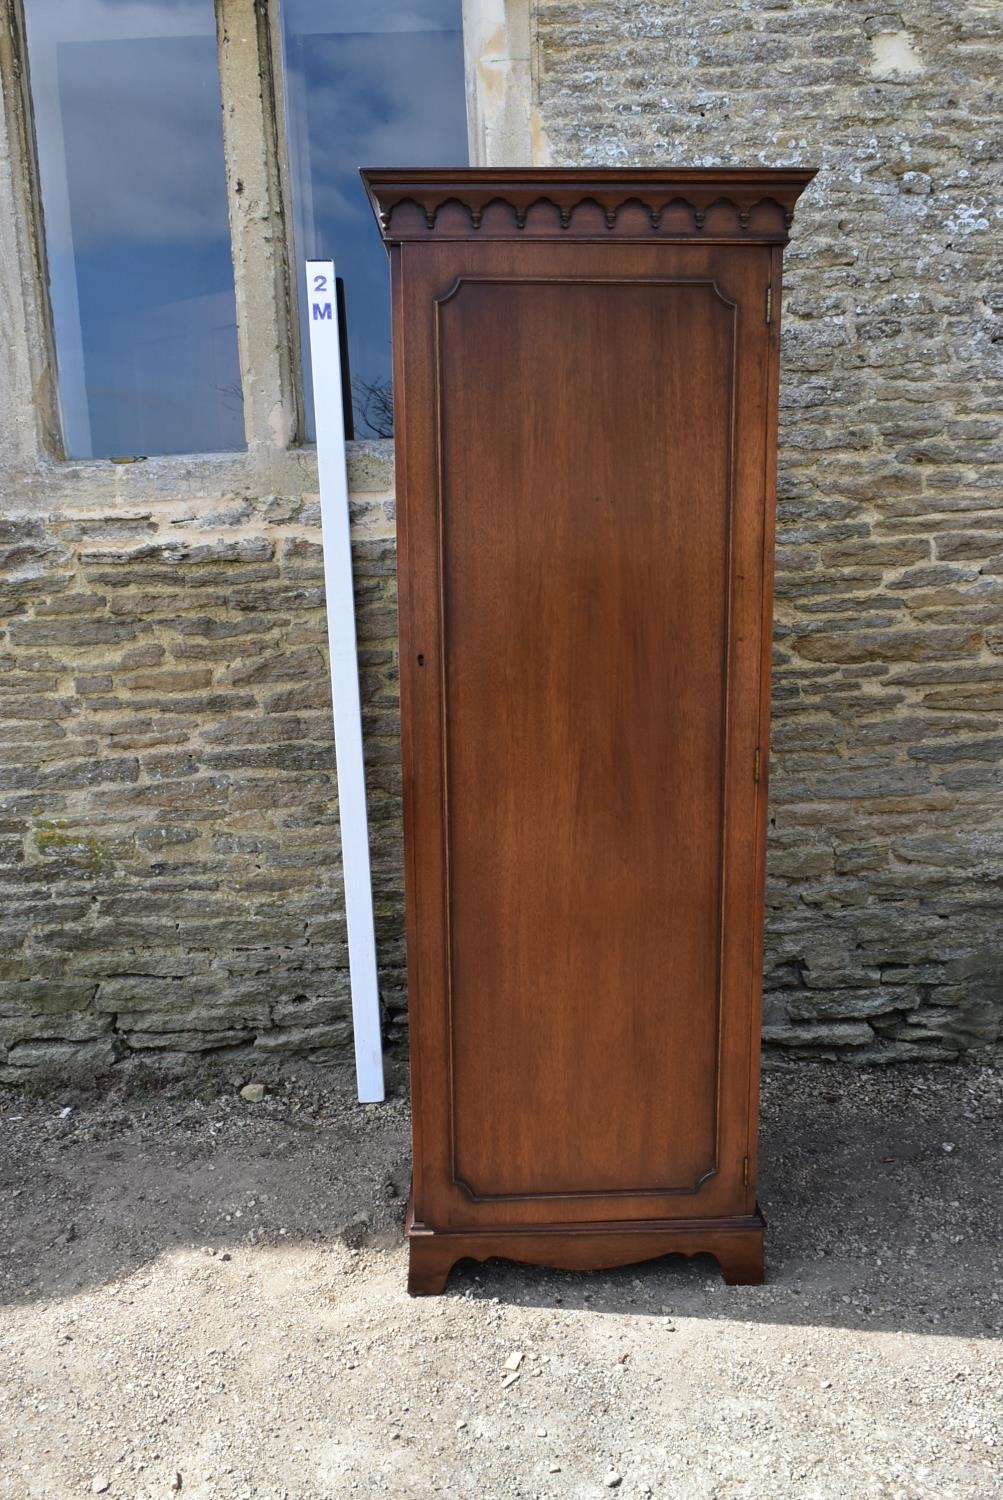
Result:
[73,389]
[20,121]
[267,339]
[502,129]
[277,43]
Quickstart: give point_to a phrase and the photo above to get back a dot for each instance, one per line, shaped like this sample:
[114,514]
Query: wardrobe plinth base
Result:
[735,1243]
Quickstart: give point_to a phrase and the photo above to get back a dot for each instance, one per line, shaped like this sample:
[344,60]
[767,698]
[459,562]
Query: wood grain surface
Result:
[585,552]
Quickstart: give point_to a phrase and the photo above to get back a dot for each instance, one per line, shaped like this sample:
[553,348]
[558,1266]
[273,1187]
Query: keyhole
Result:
[421,661]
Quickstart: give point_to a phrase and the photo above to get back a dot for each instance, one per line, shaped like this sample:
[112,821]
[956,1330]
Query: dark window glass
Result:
[378,85]
[130,147]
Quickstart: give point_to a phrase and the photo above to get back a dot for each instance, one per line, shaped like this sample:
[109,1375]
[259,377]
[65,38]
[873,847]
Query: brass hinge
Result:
[745,1172]
[756,759]
[769,304]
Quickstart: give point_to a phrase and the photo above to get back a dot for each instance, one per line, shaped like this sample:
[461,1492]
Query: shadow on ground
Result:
[881,1189]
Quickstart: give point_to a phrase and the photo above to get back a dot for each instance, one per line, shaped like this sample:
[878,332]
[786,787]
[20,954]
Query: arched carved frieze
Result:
[739,204]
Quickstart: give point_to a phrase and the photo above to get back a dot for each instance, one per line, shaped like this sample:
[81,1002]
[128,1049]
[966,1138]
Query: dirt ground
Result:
[207,1293]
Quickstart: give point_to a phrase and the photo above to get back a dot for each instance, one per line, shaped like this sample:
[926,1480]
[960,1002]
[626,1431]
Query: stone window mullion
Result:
[266,325]
[27,321]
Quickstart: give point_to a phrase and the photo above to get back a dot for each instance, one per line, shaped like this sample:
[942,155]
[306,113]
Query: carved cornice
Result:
[552,203]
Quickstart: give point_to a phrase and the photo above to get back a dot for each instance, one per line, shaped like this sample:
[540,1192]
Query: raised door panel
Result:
[586,536]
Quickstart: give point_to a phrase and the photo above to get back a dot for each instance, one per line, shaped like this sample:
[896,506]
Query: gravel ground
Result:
[205,1293]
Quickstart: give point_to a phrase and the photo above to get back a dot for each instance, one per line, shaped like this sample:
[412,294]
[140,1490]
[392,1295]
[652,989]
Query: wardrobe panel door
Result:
[592,567]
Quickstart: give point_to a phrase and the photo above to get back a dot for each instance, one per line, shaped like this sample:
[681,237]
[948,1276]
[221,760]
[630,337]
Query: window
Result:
[128,125]
[379,84]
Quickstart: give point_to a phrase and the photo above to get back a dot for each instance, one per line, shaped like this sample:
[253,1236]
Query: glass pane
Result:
[375,85]
[130,148]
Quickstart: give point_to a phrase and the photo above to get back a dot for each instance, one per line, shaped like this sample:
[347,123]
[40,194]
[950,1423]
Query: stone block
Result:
[74,631]
[876,552]
[888,645]
[280,667]
[799,863]
[173,550]
[828,1035]
[313,694]
[167,682]
[942,752]
[324,1010]
[42,997]
[187,1041]
[61,1026]
[302,1039]
[956,545]
[192,1015]
[60,1060]
[848,1005]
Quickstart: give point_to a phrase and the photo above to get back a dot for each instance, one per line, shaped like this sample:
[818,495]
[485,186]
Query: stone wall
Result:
[168,832]
[168,811]
[887,824]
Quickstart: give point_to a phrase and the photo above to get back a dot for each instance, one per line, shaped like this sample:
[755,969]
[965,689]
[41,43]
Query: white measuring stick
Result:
[325,354]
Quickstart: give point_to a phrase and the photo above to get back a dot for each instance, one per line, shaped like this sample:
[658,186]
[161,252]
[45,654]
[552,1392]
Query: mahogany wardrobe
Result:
[585,388]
